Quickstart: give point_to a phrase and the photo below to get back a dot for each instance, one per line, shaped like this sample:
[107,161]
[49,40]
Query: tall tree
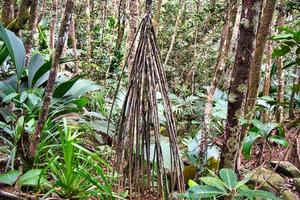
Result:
[261,40]
[254,76]
[157,13]
[8,11]
[133,25]
[53,23]
[63,32]
[33,22]
[224,49]
[181,9]
[267,78]
[238,84]
[279,63]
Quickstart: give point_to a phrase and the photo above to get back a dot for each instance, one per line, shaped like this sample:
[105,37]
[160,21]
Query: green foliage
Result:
[224,185]
[77,173]
[261,130]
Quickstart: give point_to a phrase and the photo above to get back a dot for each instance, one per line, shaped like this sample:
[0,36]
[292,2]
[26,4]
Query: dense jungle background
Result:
[150,99]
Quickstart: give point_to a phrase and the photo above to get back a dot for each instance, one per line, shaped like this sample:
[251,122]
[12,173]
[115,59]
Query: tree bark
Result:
[19,22]
[254,75]
[88,30]
[267,80]
[157,14]
[8,10]
[181,8]
[280,71]
[224,49]
[292,99]
[72,36]
[53,24]
[133,25]
[33,22]
[62,37]
[237,92]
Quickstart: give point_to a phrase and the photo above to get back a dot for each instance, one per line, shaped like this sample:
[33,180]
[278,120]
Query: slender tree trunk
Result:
[121,24]
[157,14]
[33,22]
[280,70]
[72,36]
[42,10]
[88,30]
[63,32]
[53,23]
[292,99]
[238,85]
[8,10]
[267,80]
[254,76]
[181,9]
[224,49]
[133,25]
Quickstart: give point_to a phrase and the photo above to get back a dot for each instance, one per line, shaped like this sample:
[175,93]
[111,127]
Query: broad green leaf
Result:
[36,62]
[82,87]
[248,144]
[192,183]
[9,178]
[283,36]
[15,47]
[280,51]
[203,191]
[258,124]
[279,140]
[23,97]
[63,88]
[229,178]
[257,194]
[30,178]
[9,97]
[214,182]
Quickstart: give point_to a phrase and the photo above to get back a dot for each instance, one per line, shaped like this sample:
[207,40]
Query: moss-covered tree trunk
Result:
[238,84]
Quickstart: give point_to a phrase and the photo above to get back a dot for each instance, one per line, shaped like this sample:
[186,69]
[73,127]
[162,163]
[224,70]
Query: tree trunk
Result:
[181,8]
[267,80]
[157,14]
[63,32]
[254,75]
[224,50]
[72,36]
[292,99]
[8,10]
[280,71]
[53,24]
[19,22]
[133,25]
[33,22]
[88,30]
[237,92]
